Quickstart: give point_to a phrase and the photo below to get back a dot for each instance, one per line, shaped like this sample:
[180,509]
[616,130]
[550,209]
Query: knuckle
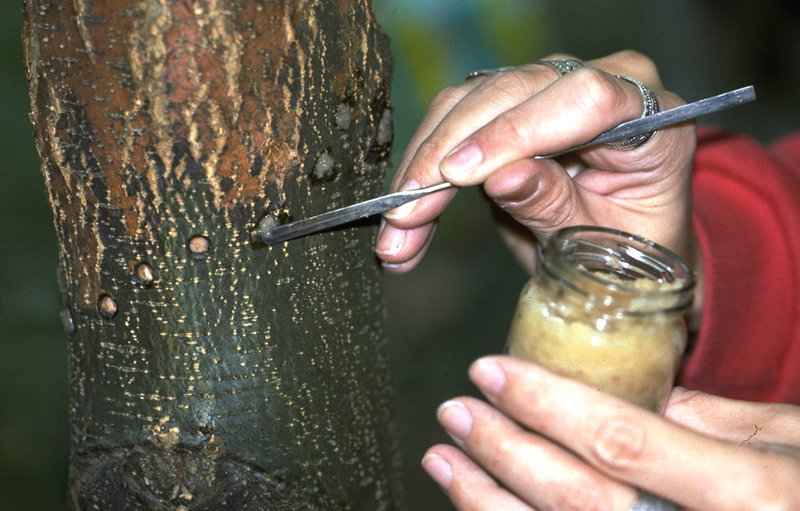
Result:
[560,209]
[635,58]
[511,84]
[773,489]
[583,498]
[601,92]
[555,207]
[642,65]
[429,152]
[462,497]
[545,210]
[769,501]
[505,448]
[619,444]
[512,130]
[500,454]
[447,97]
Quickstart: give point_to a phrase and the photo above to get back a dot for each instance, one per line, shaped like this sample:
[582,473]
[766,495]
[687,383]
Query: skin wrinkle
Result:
[773,425]
[578,490]
[557,208]
[602,93]
[584,497]
[512,85]
[619,443]
[526,188]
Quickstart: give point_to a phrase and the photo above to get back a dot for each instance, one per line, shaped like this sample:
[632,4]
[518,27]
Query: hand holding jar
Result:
[548,442]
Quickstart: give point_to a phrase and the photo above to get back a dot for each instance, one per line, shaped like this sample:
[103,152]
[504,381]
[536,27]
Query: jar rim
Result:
[634,257]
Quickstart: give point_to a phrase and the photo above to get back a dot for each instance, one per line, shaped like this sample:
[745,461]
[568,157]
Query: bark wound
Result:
[207,373]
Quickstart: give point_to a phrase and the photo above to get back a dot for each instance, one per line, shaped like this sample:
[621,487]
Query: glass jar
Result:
[607,308]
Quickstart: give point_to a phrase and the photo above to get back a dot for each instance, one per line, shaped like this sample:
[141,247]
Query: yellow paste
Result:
[633,357]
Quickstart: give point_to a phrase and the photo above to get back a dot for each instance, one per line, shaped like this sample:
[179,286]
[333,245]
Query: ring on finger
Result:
[489,71]
[647,502]
[562,66]
[650,107]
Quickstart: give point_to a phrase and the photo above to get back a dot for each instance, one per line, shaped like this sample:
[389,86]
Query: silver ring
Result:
[562,66]
[489,72]
[651,107]
[648,502]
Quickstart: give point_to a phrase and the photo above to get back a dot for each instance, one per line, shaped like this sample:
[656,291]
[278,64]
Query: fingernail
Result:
[439,470]
[380,229]
[406,209]
[462,160]
[455,418]
[488,376]
[391,241]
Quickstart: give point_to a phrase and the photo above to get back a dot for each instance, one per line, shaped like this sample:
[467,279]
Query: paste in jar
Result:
[606,308]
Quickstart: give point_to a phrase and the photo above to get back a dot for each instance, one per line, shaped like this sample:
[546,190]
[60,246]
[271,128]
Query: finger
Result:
[669,149]
[629,63]
[570,111]
[535,469]
[488,97]
[426,209]
[636,446]
[539,194]
[477,105]
[458,111]
[467,485]
[441,104]
[454,113]
[400,250]
[736,421]
[444,101]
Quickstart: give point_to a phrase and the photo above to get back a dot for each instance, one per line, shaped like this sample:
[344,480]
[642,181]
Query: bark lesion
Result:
[200,477]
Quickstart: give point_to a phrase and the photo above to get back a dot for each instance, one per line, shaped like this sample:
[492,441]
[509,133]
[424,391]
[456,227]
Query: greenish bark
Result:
[208,372]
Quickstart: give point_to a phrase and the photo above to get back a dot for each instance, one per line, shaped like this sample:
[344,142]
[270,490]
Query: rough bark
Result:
[206,371]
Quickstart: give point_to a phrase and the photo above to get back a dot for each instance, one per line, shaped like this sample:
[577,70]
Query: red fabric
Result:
[747,216]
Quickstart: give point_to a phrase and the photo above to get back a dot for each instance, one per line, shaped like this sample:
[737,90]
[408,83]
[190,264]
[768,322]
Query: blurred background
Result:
[457,305]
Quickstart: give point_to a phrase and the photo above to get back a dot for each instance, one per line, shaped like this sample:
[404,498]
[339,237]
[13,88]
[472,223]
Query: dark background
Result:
[456,306]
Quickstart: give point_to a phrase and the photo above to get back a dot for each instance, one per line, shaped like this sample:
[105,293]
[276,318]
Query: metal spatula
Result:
[270,234]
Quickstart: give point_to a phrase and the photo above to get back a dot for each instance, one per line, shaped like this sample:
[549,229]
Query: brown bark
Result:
[208,372]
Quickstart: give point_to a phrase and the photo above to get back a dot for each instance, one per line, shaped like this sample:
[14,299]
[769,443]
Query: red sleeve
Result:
[747,215]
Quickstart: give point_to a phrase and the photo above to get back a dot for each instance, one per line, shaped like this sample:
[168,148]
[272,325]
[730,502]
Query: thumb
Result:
[539,194]
[734,420]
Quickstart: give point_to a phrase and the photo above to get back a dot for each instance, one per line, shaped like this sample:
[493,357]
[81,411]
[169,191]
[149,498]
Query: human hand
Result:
[487,129]
[552,443]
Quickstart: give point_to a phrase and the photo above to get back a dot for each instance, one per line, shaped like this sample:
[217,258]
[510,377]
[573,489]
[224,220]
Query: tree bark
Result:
[206,371]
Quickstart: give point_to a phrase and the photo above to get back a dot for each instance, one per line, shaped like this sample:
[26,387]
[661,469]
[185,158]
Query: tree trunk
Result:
[208,372]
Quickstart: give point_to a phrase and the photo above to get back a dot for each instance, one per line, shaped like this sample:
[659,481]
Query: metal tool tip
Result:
[269,238]
[268,231]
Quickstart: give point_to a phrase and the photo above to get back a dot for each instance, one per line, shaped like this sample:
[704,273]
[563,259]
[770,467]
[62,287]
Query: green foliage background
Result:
[457,305]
